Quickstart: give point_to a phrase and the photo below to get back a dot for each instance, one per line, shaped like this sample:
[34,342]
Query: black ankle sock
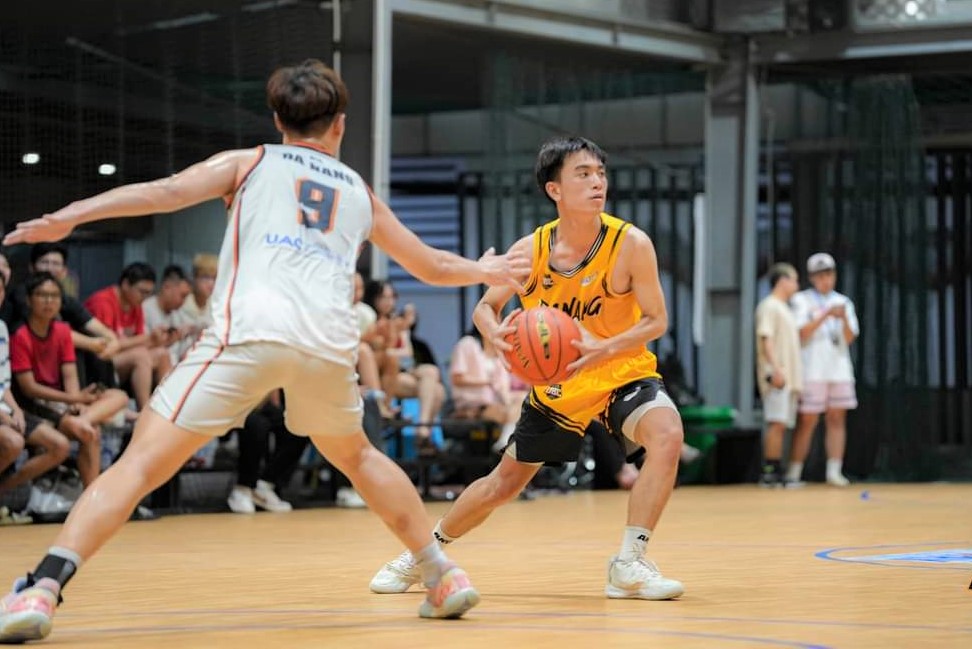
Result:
[54,567]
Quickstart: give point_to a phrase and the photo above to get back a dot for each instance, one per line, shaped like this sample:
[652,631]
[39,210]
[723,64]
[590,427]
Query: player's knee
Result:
[348,454]
[664,441]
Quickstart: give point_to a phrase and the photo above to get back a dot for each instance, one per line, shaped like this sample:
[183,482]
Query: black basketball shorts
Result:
[538,439]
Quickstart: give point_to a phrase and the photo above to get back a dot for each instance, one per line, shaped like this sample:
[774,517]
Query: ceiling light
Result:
[106,169]
[31,158]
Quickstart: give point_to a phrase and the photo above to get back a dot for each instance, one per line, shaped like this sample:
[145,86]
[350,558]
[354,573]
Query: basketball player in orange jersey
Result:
[283,319]
[603,271]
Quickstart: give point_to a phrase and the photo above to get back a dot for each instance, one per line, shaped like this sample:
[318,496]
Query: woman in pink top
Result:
[482,388]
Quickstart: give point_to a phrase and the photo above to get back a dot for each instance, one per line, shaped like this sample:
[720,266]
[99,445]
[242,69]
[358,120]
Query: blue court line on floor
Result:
[466,625]
[827,555]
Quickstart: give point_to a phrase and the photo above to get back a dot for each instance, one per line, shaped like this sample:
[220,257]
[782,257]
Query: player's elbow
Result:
[659,323]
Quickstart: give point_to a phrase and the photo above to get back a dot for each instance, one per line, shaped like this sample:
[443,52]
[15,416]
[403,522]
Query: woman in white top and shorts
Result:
[828,325]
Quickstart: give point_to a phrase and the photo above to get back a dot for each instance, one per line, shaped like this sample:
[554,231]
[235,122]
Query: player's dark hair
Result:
[306,97]
[553,152]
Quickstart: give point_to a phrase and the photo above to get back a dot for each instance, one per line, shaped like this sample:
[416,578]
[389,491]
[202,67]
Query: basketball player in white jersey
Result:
[283,319]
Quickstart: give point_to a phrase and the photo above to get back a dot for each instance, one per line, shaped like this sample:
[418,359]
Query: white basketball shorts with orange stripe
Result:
[216,386]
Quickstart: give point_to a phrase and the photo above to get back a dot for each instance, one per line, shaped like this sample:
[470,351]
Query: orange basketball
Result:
[542,346]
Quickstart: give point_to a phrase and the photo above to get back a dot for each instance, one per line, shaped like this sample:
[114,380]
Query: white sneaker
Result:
[349,498]
[689,454]
[397,575]
[639,579]
[240,500]
[837,480]
[8,517]
[265,497]
[47,502]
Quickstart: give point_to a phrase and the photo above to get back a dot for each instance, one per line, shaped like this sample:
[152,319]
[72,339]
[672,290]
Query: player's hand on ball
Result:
[511,269]
[591,350]
[499,338]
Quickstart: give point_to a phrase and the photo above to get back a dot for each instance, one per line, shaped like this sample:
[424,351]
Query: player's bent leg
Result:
[659,431]
[481,498]
[630,574]
[157,450]
[392,496]
[474,505]
[383,485]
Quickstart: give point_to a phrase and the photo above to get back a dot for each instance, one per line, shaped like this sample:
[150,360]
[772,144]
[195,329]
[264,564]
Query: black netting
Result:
[877,189]
[147,87]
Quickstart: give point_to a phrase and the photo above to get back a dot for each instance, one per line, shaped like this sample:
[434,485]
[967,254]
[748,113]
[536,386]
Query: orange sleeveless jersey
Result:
[583,292]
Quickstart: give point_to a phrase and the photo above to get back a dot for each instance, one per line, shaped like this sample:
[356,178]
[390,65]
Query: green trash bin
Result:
[700,423]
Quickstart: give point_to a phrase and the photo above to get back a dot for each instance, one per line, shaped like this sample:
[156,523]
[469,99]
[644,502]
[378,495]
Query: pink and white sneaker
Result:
[27,613]
[450,597]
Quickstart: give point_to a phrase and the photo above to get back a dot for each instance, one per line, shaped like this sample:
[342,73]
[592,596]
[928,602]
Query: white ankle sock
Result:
[835,468]
[795,471]
[441,536]
[634,542]
[432,561]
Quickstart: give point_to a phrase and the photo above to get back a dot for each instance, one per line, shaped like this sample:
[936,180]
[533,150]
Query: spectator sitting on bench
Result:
[481,386]
[369,376]
[401,377]
[259,489]
[42,358]
[18,429]
[91,337]
[142,353]
[197,308]
[164,311]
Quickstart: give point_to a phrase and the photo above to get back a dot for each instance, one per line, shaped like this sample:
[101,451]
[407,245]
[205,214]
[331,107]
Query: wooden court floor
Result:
[885,567]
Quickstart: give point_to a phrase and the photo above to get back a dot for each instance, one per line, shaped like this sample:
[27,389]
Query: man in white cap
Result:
[828,325]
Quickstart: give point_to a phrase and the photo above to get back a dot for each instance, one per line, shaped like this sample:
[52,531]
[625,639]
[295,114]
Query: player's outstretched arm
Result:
[439,267]
[487,314]
[212,178]
[638,257]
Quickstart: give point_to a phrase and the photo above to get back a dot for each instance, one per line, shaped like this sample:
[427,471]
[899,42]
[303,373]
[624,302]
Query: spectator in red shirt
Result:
[143,356]
[18,429]
[42,359]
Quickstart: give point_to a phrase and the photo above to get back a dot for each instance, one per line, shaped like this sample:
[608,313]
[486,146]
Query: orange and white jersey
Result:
[286,268]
